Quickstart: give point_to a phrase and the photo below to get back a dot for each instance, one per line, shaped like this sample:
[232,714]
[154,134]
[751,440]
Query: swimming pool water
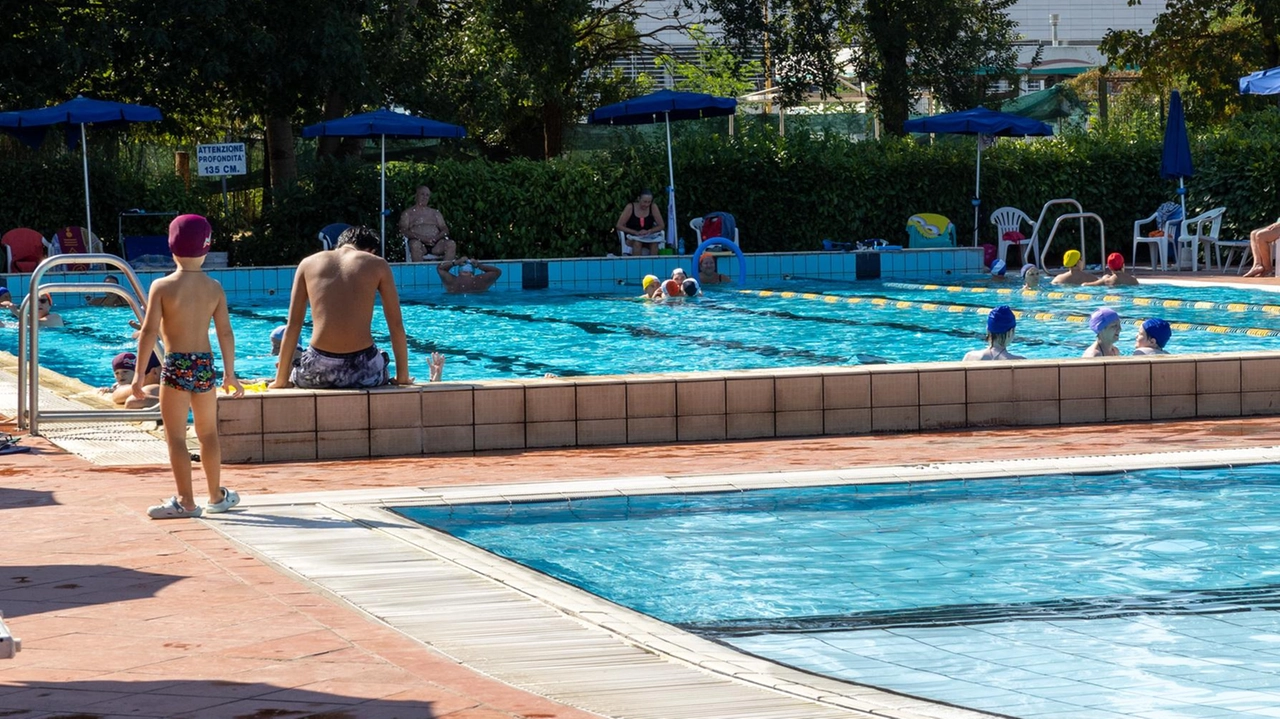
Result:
[529,334]
[1149,594]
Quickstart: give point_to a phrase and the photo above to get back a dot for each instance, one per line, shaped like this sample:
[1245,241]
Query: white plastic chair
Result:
[1010,219]
[651,240]
[1200,230]
[1159,245]
[696,224]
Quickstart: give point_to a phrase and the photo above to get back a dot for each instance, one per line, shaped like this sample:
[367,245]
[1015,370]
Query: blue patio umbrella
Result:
[30,126]
[665,106]
[1175,160]
[1262,82]
[979,121]
[383,124]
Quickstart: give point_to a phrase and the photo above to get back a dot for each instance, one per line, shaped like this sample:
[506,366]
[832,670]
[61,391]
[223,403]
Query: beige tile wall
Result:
[294,425]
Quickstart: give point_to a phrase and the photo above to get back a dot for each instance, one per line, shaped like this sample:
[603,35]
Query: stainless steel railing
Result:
[29,412]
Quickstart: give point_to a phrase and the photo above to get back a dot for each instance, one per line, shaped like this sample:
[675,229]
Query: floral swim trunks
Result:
[188,371]
[317,369]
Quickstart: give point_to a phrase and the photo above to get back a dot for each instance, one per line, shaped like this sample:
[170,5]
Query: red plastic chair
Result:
[24,248]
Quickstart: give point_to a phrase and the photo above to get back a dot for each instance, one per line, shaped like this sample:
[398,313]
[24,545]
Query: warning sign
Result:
[225,159]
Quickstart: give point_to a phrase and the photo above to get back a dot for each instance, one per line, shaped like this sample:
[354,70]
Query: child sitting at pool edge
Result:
[123,366]
[180,307]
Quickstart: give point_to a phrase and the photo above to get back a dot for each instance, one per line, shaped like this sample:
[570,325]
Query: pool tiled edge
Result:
[591,274]
[453,417]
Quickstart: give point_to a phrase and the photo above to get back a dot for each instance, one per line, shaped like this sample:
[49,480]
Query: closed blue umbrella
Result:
[383,124]
[1175,160]
[30,125]
[1262,82]
[979,121]
[665,106]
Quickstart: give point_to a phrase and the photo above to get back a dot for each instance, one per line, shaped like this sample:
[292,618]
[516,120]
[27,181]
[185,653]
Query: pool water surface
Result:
[1145,594]
[533,333]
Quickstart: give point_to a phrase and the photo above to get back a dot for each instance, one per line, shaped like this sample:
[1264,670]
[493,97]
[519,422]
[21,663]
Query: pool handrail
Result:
[1035,232]
[1082,216]
[29,413]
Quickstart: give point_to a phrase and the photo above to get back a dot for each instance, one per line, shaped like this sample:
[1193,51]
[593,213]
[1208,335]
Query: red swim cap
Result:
[1115,261]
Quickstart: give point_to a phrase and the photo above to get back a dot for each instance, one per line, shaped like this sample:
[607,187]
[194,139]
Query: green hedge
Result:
[787,193]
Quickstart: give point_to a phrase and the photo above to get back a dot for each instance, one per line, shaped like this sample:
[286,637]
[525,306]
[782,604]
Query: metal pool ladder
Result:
[29,412]
[1080,215]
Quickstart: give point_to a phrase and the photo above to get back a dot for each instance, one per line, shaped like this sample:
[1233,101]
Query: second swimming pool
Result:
[1146,594]
[784,324]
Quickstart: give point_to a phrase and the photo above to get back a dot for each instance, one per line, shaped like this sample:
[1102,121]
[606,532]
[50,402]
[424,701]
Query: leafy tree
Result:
[514,72]
[954,49]
[1202,47]
[717,71]
[50,52]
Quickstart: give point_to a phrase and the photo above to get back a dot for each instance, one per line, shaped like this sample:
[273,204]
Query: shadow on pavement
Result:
[204,699]
[27,590]
[11,498]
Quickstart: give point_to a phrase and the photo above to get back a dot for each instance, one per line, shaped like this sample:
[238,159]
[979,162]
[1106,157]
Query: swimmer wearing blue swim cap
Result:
[1002,324]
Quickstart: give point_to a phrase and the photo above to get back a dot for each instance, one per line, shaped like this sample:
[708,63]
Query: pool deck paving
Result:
[120,615]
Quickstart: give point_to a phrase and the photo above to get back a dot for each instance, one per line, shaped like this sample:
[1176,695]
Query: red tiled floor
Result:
[174,610]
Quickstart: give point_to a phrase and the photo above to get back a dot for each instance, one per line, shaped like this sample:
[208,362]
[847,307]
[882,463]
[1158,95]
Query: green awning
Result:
[1053,103]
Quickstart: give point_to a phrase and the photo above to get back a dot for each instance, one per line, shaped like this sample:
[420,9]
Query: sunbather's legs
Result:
[1260,243]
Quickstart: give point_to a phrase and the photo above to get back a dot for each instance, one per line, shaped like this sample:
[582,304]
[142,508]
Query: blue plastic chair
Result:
[329,235]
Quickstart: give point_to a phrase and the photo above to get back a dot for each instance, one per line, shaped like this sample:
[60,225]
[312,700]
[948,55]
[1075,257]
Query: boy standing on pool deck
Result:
[179,309]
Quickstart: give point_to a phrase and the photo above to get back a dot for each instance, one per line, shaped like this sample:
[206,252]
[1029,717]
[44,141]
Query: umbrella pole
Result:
[671,189]
[84,155]
[977,194]
[382,213]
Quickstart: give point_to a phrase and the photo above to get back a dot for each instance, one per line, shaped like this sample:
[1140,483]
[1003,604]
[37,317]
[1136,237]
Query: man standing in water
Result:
[341,285]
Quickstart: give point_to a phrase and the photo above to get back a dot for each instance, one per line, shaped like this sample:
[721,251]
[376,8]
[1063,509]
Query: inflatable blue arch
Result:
[742,260]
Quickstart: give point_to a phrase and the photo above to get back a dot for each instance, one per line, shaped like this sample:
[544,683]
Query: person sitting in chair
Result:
[426,230]
[1260,243]
[639,222]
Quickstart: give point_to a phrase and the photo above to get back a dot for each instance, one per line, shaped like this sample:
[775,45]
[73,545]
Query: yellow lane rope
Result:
[1089,297]
[887,303]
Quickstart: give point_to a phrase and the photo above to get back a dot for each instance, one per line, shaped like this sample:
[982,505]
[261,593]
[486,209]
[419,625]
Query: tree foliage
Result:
[715,71]
[1202,47]
[952,49]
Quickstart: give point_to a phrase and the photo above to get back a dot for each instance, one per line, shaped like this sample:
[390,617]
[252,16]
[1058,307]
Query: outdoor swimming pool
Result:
[1145,594]
[528,334]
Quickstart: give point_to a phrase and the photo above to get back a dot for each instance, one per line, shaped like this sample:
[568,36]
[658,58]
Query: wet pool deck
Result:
[123,616]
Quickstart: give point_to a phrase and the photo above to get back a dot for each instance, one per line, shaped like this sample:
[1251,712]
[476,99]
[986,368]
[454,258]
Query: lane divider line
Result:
[1089,297]
[884,302]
